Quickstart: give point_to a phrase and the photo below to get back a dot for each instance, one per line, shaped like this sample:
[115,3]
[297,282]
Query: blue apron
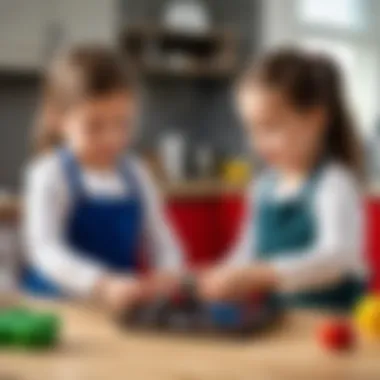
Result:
[105,230]
[290,226]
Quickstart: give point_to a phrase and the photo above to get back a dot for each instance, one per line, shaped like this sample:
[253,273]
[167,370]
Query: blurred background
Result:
[188,53]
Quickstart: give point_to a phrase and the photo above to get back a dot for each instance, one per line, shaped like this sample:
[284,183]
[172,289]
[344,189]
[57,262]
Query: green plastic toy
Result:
[21,327]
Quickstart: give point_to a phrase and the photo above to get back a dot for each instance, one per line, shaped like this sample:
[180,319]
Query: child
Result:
[303,236]
[88,205]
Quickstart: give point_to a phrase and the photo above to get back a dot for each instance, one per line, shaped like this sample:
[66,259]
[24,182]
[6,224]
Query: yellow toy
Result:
[237,172]
[368,316]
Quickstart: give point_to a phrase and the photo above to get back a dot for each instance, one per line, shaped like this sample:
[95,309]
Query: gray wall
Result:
[18,99]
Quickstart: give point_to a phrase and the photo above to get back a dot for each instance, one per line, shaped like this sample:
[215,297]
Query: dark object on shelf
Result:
[190,316]
[163,52]
[14,76]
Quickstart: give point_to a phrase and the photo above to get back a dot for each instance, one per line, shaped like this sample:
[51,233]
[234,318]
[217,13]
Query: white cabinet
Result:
[29,29]
[88,20]
[23,26]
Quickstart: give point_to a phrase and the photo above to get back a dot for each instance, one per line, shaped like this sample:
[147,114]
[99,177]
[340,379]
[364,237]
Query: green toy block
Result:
[25,328]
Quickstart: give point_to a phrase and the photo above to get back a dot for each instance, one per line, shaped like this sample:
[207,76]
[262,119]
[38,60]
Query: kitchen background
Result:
[176,98]
[188,53]
[177,95]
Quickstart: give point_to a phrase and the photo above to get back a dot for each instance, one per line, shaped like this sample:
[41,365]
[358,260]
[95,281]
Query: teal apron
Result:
[290,225]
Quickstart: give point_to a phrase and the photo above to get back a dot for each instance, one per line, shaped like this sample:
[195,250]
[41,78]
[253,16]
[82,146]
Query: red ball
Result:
[336,335]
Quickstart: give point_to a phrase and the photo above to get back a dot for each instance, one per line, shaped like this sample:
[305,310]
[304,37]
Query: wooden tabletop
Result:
[93,348]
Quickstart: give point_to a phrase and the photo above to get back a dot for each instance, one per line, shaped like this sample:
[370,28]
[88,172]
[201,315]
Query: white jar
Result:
[187,15]
[172,154]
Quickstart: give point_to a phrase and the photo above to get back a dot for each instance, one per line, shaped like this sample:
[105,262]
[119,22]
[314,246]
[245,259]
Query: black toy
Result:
[185,313]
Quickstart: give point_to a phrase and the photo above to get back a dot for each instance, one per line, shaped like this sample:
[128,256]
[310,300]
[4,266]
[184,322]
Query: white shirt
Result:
[48,203]
[338,248]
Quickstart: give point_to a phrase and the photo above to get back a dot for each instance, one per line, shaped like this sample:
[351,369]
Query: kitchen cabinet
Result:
[87,20]
[23,28]
[31,30]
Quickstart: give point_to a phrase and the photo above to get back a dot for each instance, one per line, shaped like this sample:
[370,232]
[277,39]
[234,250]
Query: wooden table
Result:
[93,348]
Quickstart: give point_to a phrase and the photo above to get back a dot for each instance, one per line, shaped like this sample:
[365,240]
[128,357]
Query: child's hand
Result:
[220,283]
[119,293]
[233,283]
[164,283]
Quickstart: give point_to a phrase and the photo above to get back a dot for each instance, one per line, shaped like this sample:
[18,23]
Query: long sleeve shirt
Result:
[338,247]
[48,204]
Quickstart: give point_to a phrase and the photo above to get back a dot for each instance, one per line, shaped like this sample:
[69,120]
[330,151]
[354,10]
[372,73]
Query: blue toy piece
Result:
[225,315]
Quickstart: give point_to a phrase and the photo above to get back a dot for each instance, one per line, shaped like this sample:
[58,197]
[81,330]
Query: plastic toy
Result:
[367,316]
[336,335]
[20,327]
[225,315]
[185,313]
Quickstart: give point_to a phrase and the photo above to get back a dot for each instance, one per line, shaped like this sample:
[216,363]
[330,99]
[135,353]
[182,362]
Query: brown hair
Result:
[81,72]
[307,80]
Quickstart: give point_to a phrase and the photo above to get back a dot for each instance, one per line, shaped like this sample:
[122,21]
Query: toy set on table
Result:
[185,313]
[24,328]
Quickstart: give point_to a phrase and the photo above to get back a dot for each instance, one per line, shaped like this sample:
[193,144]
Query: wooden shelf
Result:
[10,209]
[196,189]
[166,71]
[161,52]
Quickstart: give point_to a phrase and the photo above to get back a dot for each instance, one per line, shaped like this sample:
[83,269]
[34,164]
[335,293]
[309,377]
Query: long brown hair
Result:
[308,80]
[84,71]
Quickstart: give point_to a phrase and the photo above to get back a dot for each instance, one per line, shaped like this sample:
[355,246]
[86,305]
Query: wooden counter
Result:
[92,348]
[199,189]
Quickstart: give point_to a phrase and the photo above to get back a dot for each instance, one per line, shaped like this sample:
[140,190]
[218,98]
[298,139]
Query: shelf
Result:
[196,189]
[19,75]
[146,31]
[164,72]
[164,53]
[10,209]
